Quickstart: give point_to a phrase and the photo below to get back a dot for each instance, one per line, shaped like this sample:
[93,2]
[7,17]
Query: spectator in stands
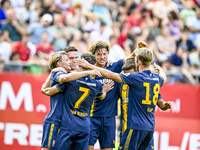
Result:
[75,19]
[134,21]
[22,48]
[36,29]
[195,57]
[163,7]
[185,42]
[101,35]
[78,43]
[100,9]
[5,5]
[48,8]
[124,9]
[45,48]
[62,5]
[60,33]
[180,59]
[115,52]
[26,15]
[5,49]
[187,11]
[166,45]
[173,25]
[193,23]
[12,29]
[93,22]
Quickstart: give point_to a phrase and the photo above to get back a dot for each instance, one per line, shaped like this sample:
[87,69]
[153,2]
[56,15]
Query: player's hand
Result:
[156,67]
[108,86]
[142,44]
[109,63]
[95,72]
[81,62]
[58,69]
[168,105]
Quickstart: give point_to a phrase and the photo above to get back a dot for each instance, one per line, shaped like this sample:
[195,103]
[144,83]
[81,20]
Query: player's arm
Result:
[164,105]
[160,71]
[76,75]
[106,88]
[104,72]
[50,91]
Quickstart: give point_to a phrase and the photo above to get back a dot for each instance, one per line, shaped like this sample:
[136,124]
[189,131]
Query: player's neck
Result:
[143,68]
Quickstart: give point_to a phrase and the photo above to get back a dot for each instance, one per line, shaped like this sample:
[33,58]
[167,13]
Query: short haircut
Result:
[144,55]
[129,64]
[89,58]
[99,45]
[56,57]
[69,49]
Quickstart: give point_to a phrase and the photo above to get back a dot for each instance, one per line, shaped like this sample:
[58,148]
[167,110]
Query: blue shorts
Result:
[50,132]
[102,129]
[67,138]
[135,139]
[151,145]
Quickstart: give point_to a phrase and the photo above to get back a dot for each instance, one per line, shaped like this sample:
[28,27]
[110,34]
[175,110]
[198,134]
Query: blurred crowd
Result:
[31,30]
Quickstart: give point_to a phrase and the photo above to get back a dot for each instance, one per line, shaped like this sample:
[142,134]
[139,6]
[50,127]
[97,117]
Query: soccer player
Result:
[52,119]
[123,89]
[103,113]
[143,95]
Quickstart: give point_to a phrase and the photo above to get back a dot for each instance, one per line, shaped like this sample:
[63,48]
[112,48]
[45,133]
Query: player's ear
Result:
[58,64]
[139,62]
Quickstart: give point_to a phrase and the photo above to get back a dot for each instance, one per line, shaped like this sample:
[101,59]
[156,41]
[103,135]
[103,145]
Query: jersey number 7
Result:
[83,97]
[156,89]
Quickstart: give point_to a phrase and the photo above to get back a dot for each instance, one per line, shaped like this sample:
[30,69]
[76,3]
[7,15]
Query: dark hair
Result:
[89,57]
[69,49]
[129,64]
[99,45]
[13,55]
[174,15]
[3,1]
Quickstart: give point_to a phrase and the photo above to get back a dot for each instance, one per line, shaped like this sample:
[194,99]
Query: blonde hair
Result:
[56,57]
[99,45]
[144,55]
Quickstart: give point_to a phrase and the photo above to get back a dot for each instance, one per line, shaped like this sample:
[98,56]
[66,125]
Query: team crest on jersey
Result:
[126,74]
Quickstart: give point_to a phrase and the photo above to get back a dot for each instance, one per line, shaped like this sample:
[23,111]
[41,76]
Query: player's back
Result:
[143,95]
[78,99]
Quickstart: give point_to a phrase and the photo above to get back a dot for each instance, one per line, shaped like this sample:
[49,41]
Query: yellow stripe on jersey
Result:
[125,91]
[92,108]
[50,134]
[128,139]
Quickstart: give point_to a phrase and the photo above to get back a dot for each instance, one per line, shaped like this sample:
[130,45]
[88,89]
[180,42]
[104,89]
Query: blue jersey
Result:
[142,89]
[56,100]
[123,90]
[78,99]
[108,106]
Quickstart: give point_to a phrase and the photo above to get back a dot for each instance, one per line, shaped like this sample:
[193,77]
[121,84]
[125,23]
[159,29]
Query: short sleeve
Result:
[61,86]
[55,75]
[129,78]
[118,66]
